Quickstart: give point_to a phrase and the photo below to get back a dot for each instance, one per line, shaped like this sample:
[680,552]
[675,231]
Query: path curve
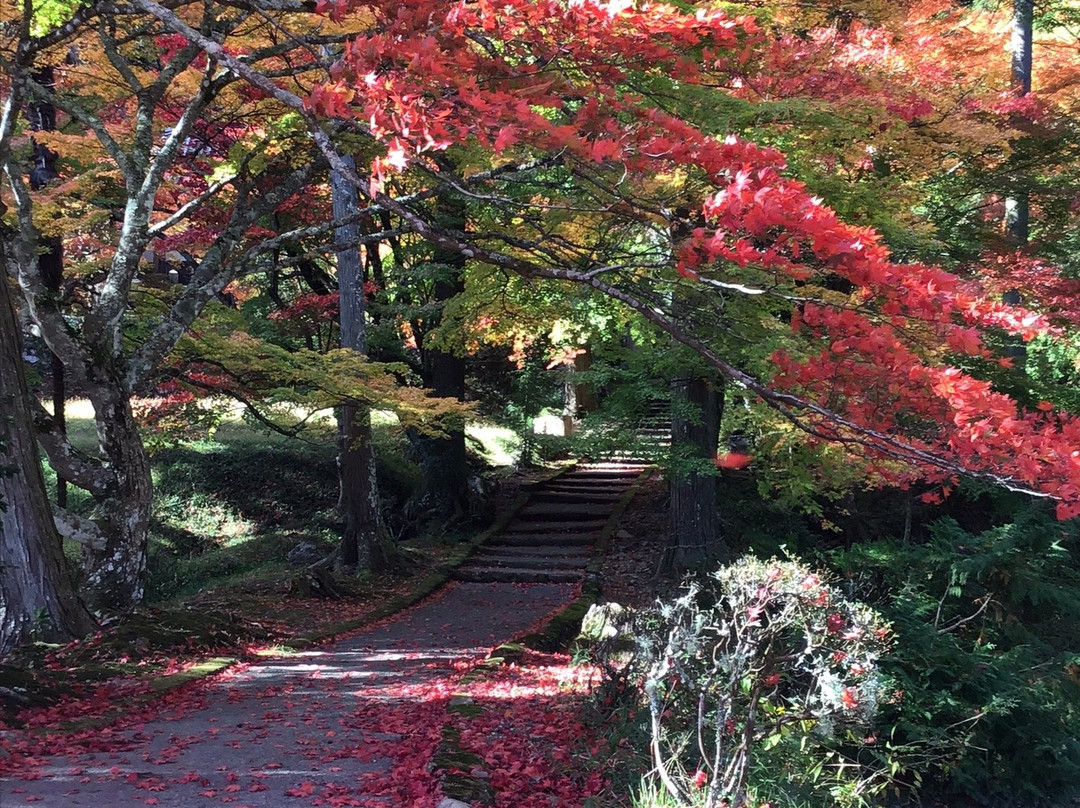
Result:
[262,735]
[247,738]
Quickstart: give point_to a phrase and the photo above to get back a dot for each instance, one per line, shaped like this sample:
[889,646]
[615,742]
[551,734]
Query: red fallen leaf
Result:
[151,800]
[305,789]
[232,789]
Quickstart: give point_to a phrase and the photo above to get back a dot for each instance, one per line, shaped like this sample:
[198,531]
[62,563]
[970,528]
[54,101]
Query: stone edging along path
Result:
[325,723]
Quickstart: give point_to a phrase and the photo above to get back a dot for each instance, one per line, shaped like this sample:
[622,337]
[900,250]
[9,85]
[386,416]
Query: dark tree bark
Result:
[364,541]
[443,458]
[42,115]
[36,587]
[1017,206]
[694,510]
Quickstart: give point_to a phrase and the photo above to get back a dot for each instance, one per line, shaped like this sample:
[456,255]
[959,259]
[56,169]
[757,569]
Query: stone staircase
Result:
[652,437]
[551,538]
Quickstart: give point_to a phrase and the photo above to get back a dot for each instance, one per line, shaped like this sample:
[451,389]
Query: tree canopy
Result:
[793,195]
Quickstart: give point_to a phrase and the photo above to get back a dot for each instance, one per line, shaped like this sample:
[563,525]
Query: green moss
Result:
[161,684]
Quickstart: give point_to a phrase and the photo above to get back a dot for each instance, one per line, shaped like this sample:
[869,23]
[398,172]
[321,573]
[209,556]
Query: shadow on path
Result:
[262,735]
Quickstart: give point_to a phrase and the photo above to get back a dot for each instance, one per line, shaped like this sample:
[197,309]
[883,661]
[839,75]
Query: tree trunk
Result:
[694,516]
[364,541]
[116,572]
[1017,206]
[36,588]
[443,458]
[42,115]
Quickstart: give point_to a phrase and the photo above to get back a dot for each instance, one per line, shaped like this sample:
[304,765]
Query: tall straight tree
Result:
[1018,206]
[42,115]
[37,592]
[697,406]
[364,541]
[443,456]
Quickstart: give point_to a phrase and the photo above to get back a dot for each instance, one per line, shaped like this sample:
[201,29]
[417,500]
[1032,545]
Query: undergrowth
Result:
[983,677]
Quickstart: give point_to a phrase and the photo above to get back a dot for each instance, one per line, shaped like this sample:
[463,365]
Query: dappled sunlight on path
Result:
[353,723]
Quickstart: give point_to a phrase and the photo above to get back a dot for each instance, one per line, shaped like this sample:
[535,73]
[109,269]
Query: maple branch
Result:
[70,464]
[41,303]
[280,240]
[794,407]
[213,274]
[104,320]
[289,432]
[188,207]
[65,31]
[111,48]
[798,410]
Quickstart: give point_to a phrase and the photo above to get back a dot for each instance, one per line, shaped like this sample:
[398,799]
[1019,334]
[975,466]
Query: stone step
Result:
[534,561]
[590,482]
[498,575]
[544,540]
[577,497]
[555,511]
[597,477]
[614,489]
[590,528]
[614,471]
[578,551]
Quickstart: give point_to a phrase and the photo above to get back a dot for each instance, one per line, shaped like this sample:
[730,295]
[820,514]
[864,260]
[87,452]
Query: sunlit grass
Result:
[234,502]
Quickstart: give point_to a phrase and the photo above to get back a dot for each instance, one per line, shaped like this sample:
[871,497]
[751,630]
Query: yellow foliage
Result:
[269,374]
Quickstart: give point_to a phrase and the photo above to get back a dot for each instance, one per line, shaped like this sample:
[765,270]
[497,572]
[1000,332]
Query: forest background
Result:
[839,238]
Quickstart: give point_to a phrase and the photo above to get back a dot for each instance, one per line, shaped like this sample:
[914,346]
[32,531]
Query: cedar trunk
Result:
[694,511]
[36,588]
[364,542]
[1018,206]
[443,458]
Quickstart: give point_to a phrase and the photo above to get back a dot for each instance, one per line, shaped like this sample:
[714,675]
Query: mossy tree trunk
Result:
[37,592]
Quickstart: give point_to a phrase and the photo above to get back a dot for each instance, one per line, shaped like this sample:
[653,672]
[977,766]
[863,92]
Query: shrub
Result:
[756,657]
